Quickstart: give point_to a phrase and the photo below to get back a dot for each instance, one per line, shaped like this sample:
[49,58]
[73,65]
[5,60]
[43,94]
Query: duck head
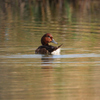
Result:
[46,38]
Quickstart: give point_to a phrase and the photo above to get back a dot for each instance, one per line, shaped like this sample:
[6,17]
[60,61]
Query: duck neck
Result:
[44,42]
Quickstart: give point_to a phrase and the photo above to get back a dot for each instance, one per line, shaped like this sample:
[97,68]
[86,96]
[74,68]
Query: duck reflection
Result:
[47,61]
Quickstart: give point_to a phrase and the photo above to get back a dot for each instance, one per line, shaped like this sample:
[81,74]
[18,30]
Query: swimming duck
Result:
[45,48]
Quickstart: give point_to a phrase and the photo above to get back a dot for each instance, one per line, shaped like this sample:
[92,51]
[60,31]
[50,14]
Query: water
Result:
[72,75]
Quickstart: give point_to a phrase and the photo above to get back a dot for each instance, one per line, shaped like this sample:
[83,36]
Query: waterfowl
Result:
[45,48]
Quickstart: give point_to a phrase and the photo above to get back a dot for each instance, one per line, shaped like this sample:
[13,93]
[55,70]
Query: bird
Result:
[45,48]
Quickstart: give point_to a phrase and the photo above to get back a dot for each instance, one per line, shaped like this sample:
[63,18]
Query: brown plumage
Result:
[46,48]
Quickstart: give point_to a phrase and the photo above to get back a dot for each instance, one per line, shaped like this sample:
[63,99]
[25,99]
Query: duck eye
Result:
[48,36]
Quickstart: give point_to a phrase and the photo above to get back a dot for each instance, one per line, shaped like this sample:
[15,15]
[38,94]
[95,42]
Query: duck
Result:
[45,48]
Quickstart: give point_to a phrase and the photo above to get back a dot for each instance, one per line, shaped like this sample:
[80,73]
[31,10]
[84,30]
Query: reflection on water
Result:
[73,75]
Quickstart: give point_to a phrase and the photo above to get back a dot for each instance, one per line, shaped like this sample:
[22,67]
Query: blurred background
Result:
[72,75]
[21,20]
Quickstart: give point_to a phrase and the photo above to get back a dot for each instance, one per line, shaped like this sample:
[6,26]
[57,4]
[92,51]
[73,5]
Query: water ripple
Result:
[52,56]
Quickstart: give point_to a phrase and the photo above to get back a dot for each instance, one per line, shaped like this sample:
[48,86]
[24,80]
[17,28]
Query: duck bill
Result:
[53,41]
